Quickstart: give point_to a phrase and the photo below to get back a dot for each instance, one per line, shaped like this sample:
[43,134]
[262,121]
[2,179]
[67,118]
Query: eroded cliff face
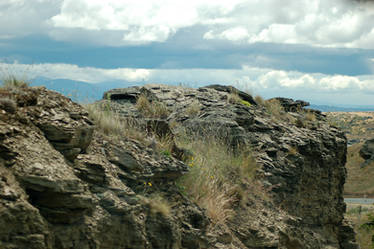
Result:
[65,185]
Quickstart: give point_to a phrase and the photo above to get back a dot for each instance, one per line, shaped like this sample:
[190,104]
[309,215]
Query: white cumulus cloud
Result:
[73,72]
[143,20]
[333,23]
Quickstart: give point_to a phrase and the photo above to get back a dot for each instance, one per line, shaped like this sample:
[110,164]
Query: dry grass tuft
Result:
[193,109]
[310,116]
[111,124]
[11,82]
[233,98]
[154,109]
[274,108]
[157,204]
[259,100]
[216,174]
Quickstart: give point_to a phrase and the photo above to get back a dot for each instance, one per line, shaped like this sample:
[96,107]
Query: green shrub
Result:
[246,103]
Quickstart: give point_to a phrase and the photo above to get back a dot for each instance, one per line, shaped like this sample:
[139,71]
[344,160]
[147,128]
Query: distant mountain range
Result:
[85,92]
[78,91]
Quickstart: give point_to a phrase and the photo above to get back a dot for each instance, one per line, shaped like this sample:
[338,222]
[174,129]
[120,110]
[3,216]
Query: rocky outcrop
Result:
[303,165]
[65,185]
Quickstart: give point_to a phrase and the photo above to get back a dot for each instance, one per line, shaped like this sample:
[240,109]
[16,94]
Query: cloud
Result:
[25,17]
[140,21]
[73,72]
[334,23]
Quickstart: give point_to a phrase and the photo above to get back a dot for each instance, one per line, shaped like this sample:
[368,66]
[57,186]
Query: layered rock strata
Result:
[65,185]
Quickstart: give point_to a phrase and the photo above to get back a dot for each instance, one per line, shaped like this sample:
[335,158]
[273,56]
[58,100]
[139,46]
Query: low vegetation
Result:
[111,124]
[7,88]
[11,82]
[154,109]
[217,177]
[363,219]
[234,98]
[157,204]
[274,108]
[193,109]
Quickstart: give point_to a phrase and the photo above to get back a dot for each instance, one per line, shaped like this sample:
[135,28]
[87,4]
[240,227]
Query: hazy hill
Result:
[80,91]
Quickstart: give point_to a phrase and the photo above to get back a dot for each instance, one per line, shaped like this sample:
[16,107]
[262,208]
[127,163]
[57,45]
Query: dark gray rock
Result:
[291,105]
[367,150]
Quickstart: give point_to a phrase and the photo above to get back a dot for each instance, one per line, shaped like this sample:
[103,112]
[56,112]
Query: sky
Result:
[316,50]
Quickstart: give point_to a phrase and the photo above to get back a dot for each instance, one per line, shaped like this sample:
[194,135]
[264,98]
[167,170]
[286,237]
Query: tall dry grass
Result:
[154,109]
[111,124]
[215,177]
[11,82]
[274,108]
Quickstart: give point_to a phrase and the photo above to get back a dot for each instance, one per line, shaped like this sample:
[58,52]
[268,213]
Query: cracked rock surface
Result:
[64,185]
